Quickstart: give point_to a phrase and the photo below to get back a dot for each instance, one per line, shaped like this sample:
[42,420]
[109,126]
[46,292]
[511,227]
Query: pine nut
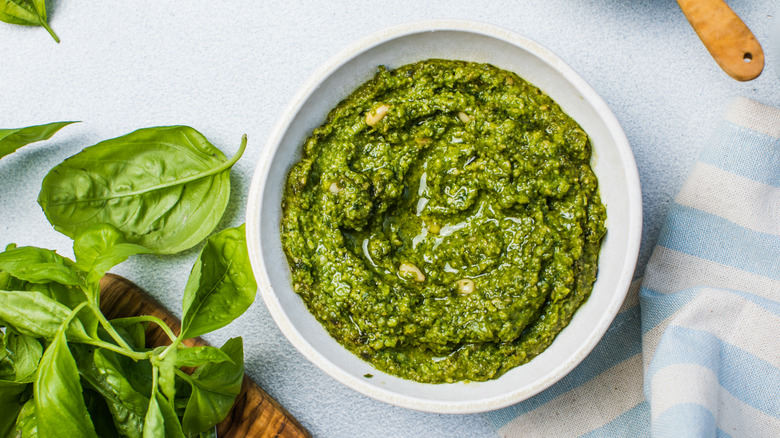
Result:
[465,286]
[374,116]
[408,269]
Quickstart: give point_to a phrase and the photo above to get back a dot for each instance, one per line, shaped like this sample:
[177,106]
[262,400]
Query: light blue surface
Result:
[230,68]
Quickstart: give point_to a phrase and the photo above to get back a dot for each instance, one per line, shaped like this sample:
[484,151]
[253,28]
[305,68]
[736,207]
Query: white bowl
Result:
[613,163]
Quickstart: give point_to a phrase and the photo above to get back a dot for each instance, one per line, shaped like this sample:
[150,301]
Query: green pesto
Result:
[453,238]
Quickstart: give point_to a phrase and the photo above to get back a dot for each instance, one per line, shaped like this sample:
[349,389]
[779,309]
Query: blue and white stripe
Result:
[695,350]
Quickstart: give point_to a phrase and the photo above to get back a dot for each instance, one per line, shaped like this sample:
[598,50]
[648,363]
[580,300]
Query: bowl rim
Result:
[260,179]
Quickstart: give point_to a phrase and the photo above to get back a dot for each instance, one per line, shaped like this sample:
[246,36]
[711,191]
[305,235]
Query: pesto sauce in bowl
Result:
[444,223]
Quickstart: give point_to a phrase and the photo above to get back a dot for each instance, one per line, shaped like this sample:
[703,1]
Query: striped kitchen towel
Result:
[695,350]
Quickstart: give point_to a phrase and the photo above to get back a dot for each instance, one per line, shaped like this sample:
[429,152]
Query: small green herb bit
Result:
[26,13]
[164,188]
[13,139]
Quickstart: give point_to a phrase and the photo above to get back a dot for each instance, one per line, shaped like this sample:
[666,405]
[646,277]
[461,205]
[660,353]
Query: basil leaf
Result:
[10,387]
[26,353]
[34,314]
[154,423]
[13,139]
[59,405]
[161,420]
[11,405]
[172,422]
[8,375]
[221,285]
[167,369]
[13,393]
[214,390]
[165,188]
[71,296]
[105,373]
[45,271]
[7,369]
[100,414]
[26,423]
[134,334]
[8,282]
[197,356]
[137,335]
[100,247]
[26,13]
[39,265]
[42,270]
[22,12]
[137,373]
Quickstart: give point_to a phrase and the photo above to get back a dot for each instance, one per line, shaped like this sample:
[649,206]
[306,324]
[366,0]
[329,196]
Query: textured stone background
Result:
[228,68]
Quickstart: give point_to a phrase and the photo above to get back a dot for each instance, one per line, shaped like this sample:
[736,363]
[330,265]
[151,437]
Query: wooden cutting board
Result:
[255,413]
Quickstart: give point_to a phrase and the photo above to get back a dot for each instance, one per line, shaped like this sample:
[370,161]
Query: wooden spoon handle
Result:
[726,36]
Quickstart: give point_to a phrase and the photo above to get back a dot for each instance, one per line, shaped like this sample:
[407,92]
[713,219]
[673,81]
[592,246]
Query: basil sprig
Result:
[26,13]
[65,369]
[145,391]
